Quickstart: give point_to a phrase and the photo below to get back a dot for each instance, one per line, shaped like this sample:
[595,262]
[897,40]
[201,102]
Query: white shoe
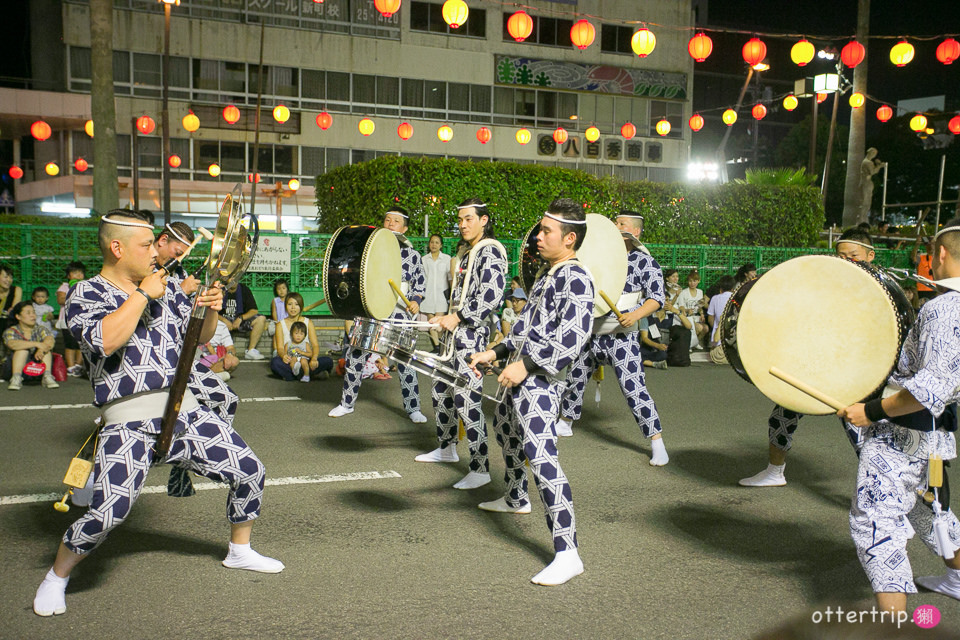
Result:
[339,411]
[50,599]
[417,417]
[441,454]
[473,480]
[223,375]
[49,382]
[253,354]
[243,557]
[772,476]
[305,378]
[565,565]
[564,428]
[500,506]
[16,382]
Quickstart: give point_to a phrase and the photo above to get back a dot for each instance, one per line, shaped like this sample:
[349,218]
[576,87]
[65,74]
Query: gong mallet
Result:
[814,393]
[396,289]
[174,262]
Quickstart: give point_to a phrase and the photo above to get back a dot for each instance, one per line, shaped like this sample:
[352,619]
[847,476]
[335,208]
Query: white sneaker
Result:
[772,476]
[16,383]
[253,354]
[417,417]
[223,375]
[49,382]
[339,411]
[500,506]
[564,428]
[440,454]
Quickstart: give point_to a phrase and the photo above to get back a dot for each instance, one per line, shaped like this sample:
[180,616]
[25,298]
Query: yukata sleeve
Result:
[417,278]
[649,280]
[489,283]
[567,330]
[86,309]
[936,381]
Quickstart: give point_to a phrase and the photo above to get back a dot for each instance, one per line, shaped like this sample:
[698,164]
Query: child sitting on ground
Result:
[219,355]
[45,314]
[375,367]
[299,351]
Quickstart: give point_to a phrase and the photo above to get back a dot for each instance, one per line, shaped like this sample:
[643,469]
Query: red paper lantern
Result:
[852,54]
[582,34]
[146,125]
[15,172]
[40,130]
[253,177]
[953,126]
[759,111]
[80,165]
[696,122]
[754,51]
[520,26]
[174,161]
[700,47]
[231,114]
[324,120]
[405,130]
[821,96]
[560,135]
[484,135]
[387,7]
[884,113]
[948,51]
[628,130]
[802,52]
[191,122]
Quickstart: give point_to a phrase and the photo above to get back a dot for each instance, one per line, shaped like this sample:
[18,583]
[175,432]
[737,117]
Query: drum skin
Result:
[357,265]
[603,253]
[835,324]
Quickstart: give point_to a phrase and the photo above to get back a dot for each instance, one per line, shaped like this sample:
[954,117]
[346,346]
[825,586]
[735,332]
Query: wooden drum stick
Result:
[833,403]
[313,305]
[399,293]
[610,303]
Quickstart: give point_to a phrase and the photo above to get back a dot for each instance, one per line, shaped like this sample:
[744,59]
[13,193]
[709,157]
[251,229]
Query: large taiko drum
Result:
[835,324]
[603,253]
[357,267]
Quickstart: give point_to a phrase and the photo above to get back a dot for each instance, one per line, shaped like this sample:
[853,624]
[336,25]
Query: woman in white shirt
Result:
[436,267]
[691,303]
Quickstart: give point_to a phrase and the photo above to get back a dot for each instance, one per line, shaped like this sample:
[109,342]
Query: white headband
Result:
[943,231]
[563,220]
[857,242]
[398,213]
[127,223]
[176,235]
[630,215]
[467,206]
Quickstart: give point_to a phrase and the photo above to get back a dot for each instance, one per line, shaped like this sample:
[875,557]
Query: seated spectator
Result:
[652,349]
[691,303]
[10,296]
[678,351]
[278,307]
[717,304]
[745,273]
[30,347]
[75,272]
[282,363]
[298,352]
[240,314]
[910,289]
[219,354]
[44,311]
[375,367]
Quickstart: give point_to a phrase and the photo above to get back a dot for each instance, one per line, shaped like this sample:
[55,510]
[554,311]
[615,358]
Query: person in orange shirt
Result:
[923,266]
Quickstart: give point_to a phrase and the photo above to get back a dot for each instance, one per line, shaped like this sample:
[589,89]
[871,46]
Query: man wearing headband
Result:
[130,323]
[550,332]
[853,244]
[478,289]
[174,240]
[622,349]
[903,434]
[415,280]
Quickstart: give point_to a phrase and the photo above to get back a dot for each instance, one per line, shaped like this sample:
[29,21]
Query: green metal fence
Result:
[38,256]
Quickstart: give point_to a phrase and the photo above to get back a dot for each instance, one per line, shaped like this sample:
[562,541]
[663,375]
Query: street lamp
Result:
[165,114]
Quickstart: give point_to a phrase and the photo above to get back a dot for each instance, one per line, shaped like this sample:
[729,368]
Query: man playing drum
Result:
[551,331]
[130,323]
[622,348]
[906,436]
[853,244]
[411,265]
[478,291]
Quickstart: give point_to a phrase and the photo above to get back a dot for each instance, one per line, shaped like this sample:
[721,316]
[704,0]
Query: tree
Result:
[794,151]
[858,119]
[105,191]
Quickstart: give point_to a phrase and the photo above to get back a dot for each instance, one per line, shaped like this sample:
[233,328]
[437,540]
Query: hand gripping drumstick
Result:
[400,293]
[833,403]
[610,304]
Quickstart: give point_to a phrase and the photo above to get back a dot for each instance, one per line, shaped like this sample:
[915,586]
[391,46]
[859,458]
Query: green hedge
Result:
[729,214]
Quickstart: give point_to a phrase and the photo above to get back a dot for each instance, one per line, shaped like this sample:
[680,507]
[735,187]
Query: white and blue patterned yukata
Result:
[551,334]
[885,512]
[203,441]
[411,267]
[783,423]
[485,295]
[622,352]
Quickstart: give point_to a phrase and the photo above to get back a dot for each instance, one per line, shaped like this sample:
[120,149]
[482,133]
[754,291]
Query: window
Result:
[338,86]
[121,67]
[428,16]
[312,84]
[411,98]
[364,89]
[388,95]
[615,39]
[546,31]
[672,112]
[80,65]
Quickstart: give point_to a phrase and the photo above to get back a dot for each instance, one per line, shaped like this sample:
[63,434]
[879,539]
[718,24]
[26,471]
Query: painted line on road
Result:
[202,484]
[41,407]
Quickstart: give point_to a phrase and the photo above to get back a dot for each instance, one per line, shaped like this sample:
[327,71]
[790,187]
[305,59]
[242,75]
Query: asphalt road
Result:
[674,552]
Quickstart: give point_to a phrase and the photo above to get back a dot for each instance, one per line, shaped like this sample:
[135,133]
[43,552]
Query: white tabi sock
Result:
[441,454]
[417,417]
[50,599]
[772,476]
[659,455]
[565,565]
[564,427]
[473,480]
[500,506]
[948,585]
[242,556]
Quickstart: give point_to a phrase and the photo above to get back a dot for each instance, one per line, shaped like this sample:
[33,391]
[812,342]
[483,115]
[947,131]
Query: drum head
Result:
[380,262]
[605,255]
[824,320]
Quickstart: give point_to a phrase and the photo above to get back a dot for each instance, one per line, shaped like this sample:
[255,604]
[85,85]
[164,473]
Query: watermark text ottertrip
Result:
[925,616]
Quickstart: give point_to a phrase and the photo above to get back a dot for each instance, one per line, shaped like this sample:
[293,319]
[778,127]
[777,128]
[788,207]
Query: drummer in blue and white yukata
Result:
[853,244]
[552,330]
[902,432]
[130,322]
[485,265]
[622,349]
[412,274]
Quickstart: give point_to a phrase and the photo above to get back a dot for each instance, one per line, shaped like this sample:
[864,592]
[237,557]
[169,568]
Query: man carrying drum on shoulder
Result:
[553,328]
[621,349]
[854,244]
[478,291]
[414,279]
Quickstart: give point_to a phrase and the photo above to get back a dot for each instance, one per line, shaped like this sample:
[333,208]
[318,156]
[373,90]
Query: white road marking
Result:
[41,407]
[202,484]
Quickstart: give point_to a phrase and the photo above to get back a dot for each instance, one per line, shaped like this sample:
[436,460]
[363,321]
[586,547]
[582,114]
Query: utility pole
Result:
[856,143]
